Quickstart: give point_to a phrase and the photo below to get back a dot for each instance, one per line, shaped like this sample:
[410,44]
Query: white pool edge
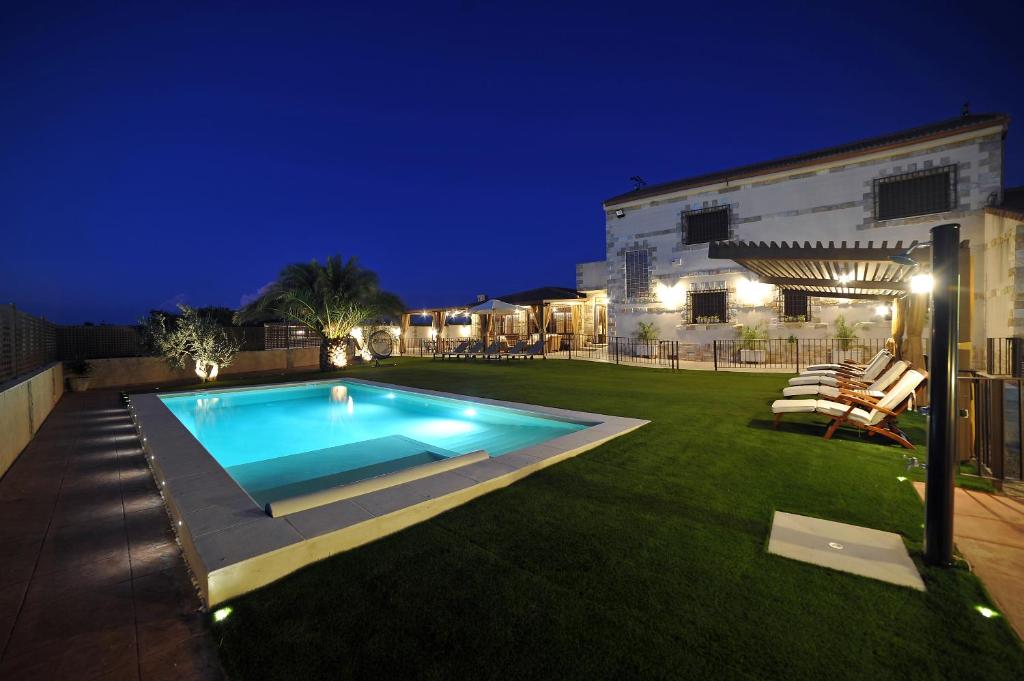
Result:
[232,546]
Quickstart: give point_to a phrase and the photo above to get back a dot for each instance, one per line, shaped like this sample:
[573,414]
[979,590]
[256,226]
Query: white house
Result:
[889,188]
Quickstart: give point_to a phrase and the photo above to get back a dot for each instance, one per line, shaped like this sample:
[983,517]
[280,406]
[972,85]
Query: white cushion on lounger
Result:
[792,406]
[814,380]
[828,391]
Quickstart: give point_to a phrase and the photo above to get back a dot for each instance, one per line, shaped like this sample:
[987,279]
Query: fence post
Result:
[797,342]
[714,352]
[616,339]
[1016,356]
[14,339]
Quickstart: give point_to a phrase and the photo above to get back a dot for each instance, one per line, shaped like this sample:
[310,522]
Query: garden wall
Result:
[119,372]
[24,404]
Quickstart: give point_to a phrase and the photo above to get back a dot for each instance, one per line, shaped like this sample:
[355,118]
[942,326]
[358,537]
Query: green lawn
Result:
[644,558]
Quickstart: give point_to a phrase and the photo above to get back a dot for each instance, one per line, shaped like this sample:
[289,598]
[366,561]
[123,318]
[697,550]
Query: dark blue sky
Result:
[178,151]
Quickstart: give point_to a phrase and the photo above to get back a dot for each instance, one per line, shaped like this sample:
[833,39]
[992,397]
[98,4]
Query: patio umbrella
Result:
[493,306]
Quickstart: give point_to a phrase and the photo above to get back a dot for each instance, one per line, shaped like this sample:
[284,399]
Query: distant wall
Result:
[24,404]
[118,372]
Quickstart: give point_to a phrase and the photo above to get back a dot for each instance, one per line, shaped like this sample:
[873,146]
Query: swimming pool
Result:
[261,481]
[281,442]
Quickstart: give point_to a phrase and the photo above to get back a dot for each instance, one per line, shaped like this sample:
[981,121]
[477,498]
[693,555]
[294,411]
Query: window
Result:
[638,274]
[706,225]
[708,307]
[794,306]
[917,193]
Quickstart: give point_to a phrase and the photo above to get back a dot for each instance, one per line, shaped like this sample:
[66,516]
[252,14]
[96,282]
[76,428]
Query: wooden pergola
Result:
[827,271]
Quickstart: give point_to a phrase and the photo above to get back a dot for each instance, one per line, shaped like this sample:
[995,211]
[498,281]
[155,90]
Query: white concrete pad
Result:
[849,548]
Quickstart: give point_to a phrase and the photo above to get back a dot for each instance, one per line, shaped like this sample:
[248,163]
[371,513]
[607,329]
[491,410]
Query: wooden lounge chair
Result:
[877,416]
[843,365]
[869,374]
[874,389]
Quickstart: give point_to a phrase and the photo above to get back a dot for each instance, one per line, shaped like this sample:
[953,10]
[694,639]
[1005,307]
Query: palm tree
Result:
[331,299]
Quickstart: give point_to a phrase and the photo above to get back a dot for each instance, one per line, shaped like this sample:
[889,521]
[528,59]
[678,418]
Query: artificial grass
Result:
[644,558]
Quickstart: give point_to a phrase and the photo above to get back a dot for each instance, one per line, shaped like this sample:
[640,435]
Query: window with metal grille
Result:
[794,306]
[706,225]
[638,274]
[708,307]
[918,193]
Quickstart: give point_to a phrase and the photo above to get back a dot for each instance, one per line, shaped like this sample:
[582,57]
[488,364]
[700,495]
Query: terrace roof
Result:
[828,271]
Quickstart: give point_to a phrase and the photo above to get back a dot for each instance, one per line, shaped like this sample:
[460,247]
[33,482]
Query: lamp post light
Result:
[942,379]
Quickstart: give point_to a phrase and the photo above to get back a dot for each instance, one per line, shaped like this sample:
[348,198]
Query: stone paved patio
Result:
[92,584]
[989,531]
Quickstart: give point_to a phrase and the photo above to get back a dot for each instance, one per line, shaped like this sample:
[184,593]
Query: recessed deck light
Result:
[836,545]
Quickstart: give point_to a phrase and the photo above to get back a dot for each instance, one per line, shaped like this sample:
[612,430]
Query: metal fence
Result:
[782,353]
[1005,356]
[993,429]
[97,342]
[288,336]
[619,350]
[26,342]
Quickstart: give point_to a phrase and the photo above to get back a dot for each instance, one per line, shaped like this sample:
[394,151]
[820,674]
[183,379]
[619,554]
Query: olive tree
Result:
[191,339]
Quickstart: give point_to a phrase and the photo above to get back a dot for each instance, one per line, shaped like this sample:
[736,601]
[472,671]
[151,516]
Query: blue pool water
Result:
[280,441]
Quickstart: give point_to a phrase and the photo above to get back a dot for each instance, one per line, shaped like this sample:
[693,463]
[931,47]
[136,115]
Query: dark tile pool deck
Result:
[92,583]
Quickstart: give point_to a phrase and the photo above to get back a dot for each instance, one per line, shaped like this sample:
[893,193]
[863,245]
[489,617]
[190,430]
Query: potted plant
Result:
[752,347]
[647,334]
[845,336]
[78,378]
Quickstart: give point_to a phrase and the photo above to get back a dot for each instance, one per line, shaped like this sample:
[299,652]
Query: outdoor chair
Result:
[459,349]
[843,365]
[482,351]
[494,350]
[869,374]
[877,416]
[530,351]
[515,350]
[875,389]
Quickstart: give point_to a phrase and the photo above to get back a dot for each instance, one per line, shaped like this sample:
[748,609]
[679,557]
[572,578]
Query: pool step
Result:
[305,472]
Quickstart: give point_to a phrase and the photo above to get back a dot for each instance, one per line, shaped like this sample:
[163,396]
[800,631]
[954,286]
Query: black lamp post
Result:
[938,524]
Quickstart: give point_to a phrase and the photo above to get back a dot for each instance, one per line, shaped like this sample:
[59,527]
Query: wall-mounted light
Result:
[619,213]
[752,293]
[921,283]
[671,297]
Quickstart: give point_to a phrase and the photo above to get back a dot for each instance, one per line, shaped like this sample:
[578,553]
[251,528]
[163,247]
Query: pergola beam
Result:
[856,284]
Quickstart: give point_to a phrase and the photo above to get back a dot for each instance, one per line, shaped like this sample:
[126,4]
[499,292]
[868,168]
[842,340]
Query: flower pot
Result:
[78,384]
[752,356]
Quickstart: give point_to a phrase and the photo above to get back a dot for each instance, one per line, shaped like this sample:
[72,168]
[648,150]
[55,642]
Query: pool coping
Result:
[232,546]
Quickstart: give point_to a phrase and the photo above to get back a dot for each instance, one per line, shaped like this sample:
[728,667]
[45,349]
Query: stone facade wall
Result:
[830,202]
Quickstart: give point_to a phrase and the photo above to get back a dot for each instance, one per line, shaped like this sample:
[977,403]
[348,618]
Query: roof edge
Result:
[804,160]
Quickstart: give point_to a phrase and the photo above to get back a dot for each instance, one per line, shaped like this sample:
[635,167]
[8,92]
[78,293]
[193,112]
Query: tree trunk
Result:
[332,354]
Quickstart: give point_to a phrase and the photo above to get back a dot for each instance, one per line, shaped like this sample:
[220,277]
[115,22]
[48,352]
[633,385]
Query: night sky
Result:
[182,152]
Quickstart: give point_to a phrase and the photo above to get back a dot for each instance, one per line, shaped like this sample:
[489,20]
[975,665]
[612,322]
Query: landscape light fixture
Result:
[904,257]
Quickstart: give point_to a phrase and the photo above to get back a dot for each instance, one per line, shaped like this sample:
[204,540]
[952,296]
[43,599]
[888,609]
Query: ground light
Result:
[221,614]
[986,612]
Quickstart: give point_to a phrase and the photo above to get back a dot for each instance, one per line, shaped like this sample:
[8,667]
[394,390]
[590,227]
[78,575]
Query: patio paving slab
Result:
[849,548]
[92,583]
[989,531]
